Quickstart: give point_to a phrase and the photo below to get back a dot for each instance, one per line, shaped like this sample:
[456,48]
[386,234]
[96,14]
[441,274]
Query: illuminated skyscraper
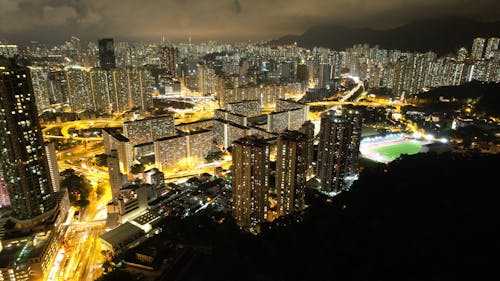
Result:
[477,48]
[149,129]
[8,50]
[338,152]
[250,181]
[461,54]
[4,194]
[168,58]
[291,167]
[308,130]
[107,53]
[491,47]
[50,152]
[23,160]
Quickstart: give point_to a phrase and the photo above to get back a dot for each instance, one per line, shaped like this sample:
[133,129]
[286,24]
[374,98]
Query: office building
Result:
[291,168]
[107,53]
[250,183]
[338,151]
[23,159]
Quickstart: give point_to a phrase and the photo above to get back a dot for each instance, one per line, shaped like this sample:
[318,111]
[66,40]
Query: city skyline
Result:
[225,20]
[159,134]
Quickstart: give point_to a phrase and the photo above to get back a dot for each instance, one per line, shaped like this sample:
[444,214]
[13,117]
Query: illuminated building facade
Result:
[491,47]
[149,129]
[41,87]
[8,50]
[168,59]
[250,182]
[191,147]
[247,108]
[338,152]
[308,130]
[23,158]
[291,168]
[477,48]
[113,140]
[50,151]
[245,118]
[4,193]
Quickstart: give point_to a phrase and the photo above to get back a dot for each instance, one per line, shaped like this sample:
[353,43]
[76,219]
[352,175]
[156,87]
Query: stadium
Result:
[385,149]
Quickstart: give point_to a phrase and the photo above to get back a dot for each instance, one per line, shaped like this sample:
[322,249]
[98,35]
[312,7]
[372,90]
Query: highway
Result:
[79,258]
[80,125]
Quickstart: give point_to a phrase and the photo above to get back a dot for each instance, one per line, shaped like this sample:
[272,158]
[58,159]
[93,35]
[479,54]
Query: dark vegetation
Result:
[425,217]
[484,97]
[78,186]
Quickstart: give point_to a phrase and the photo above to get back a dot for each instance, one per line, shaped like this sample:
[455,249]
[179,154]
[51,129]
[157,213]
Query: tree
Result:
[214,154]
[100,160]
[78,187]
[101,189]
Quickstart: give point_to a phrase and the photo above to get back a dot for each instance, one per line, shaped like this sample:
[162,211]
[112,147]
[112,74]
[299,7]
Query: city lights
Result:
[131,156]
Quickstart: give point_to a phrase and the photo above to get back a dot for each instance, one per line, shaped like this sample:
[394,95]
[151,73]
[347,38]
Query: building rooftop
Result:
[114,133]
[252,140]
[148,217]
[18,251]
[122,235]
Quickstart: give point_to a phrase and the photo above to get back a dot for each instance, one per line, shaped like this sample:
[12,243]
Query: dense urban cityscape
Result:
[135,160]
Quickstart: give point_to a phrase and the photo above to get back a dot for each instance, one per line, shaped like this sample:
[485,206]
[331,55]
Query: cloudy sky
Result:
[224,20]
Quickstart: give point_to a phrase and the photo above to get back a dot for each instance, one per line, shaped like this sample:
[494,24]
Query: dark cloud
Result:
[56,20]
[237,6]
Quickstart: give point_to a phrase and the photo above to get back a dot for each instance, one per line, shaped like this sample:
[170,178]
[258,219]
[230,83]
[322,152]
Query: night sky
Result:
[223,20]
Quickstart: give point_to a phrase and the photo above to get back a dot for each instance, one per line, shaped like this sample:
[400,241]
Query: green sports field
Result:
[394,151]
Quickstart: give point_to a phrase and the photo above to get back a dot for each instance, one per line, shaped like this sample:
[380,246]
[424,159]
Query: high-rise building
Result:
[491,47]
[338,151]
[308,130]
[115,175]
[477,48]
[23,158]
[149,129]
[291,168]
[8,50]
[302,72]
[107,53]
[4,193]
[462,54]
[168,58]
[324,75]
[50,151]
[250,181]
[41,87]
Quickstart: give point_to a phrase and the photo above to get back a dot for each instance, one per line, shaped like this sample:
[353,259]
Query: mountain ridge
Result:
[439,35]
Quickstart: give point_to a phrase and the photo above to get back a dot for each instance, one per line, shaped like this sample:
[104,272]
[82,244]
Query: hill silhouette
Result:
[425,217]
[439,35]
